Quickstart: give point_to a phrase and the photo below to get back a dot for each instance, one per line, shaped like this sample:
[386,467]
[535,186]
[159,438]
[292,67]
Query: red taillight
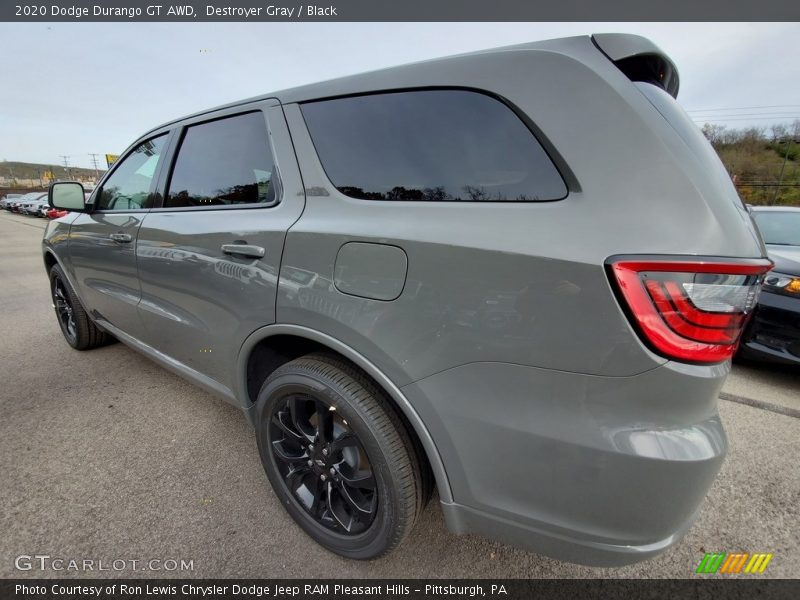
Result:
[690,310]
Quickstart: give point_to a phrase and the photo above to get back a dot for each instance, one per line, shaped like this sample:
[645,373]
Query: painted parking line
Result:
[776,408]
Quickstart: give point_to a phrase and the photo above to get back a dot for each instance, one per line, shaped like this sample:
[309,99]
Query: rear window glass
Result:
[434,145]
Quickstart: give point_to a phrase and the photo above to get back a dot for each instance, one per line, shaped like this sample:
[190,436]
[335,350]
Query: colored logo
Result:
[736,562]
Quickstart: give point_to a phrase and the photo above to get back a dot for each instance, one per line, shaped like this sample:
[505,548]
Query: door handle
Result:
[244,250]
[122,238]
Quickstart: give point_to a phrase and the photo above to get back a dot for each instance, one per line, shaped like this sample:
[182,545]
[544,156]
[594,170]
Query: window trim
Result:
[556,160]
[174,150]
[154,182]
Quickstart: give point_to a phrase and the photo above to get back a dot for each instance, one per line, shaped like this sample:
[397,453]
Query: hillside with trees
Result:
[20,176]
[764,163]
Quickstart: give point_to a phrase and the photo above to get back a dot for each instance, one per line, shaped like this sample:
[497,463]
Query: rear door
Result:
[102,243]
[209,256]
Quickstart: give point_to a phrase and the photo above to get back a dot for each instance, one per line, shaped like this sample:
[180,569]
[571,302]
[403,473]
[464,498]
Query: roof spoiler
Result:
[639,59]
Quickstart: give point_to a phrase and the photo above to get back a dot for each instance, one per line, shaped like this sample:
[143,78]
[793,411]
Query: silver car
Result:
[8,198]
[13,204]
[35,209]
[515,277]
[31,205]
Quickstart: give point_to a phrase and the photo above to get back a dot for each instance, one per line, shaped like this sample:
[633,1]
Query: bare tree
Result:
[779,132]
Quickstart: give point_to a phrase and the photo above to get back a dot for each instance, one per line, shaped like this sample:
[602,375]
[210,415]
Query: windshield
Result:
[779,227]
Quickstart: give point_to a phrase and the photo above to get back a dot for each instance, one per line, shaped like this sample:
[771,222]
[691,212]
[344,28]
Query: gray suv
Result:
[515,277]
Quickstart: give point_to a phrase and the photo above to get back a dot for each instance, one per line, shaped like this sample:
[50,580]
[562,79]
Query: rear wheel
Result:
[78,329]
[338,456]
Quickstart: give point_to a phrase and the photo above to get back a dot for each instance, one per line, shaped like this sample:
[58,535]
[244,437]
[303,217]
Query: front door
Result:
[102,243]
[209,257]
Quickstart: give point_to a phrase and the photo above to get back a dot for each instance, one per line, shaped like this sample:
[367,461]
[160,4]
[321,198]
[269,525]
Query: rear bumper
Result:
[774,331]
[598,553]
[595,470]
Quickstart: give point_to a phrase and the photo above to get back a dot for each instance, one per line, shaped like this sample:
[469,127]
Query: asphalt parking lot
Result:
[107,456]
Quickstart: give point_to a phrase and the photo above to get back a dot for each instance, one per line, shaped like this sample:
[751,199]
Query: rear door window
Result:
[222,163]
[430,145]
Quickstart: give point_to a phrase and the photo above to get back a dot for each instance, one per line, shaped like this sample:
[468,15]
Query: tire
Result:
[352,521]
[78,329]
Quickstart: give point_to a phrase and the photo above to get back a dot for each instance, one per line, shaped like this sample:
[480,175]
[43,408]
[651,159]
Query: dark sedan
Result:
[774,331]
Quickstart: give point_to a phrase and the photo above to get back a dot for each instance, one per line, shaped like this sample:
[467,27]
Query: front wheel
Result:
[338,457]
[78,329]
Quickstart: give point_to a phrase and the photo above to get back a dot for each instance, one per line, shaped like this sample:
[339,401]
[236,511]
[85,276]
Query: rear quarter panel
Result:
[518,282]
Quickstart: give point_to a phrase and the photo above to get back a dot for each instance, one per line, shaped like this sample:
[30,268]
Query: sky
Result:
[80,88]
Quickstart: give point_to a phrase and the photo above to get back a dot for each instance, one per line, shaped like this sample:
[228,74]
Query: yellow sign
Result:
[111,159]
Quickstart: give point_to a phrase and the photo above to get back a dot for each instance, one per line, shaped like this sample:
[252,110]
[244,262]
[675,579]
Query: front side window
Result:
[430,145]
[223,162]
[128,187]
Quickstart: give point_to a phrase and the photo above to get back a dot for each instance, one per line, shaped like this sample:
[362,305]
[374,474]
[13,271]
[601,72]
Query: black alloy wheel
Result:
[79,330]
[338,456]
[323,464]
[64,310]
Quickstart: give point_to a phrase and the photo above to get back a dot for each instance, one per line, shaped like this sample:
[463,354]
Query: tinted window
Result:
[128,187]
[430,145]
[223,162]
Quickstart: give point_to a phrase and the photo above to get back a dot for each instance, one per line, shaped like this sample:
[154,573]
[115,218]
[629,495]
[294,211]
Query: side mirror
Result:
[67,195]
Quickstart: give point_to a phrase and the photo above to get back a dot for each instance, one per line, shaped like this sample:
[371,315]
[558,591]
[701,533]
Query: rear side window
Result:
[223,162]
[432,145]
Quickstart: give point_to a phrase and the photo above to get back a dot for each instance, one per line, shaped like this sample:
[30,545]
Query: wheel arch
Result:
[302,340]
[51,259]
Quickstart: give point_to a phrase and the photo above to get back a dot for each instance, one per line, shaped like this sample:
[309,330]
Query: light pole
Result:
[94,162]
[783,168]
[66,164]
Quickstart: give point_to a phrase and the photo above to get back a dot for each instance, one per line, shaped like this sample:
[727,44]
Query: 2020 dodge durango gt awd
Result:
[442,275]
